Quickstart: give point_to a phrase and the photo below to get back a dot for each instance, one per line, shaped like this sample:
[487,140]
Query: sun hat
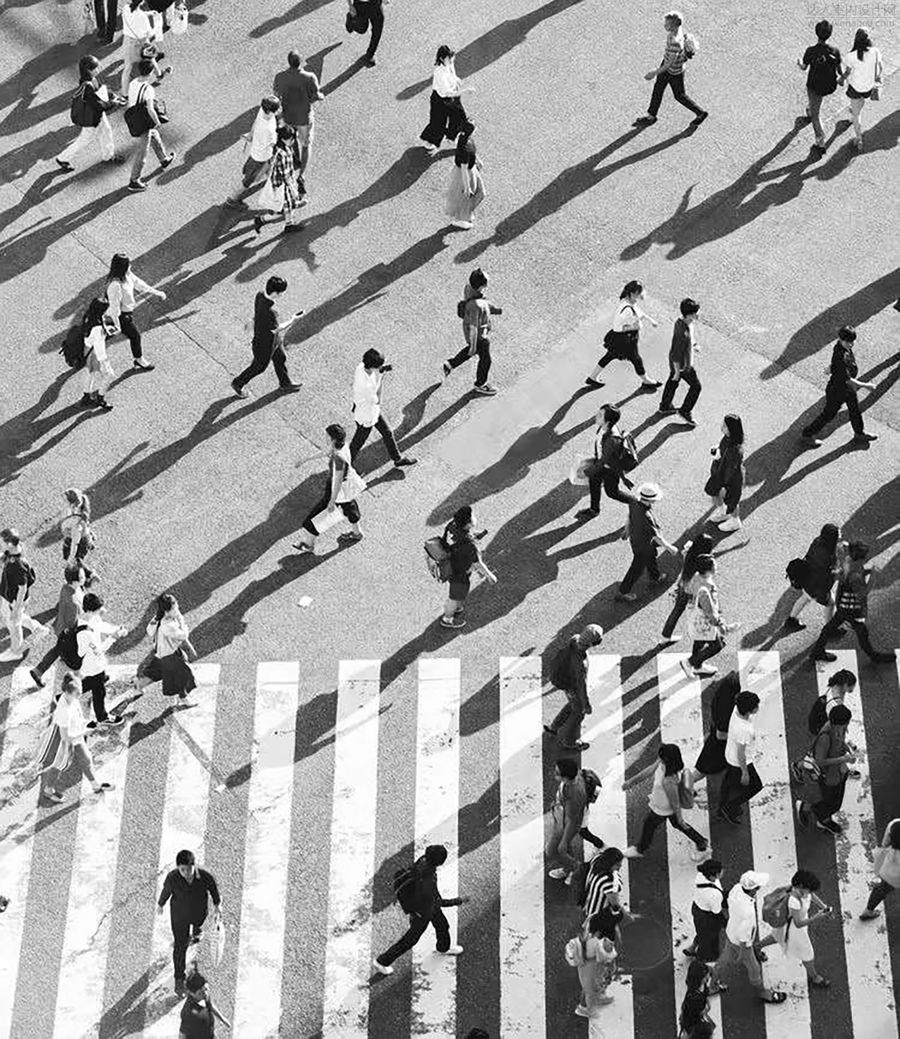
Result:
[649,492]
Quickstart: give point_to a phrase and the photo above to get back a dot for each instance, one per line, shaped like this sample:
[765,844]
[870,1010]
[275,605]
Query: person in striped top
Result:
[671,72]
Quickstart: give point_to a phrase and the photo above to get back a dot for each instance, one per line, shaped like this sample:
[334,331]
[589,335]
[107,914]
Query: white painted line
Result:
[29,712]
[772,826]
[867,954]
[184,826]
[348,948]
[257,1000]
[79,998]
[522,979]
[437,810]
[604,730]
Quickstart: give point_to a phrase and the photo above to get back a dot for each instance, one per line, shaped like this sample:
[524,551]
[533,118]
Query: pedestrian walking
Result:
[446,115]
[606,471]
[96,328]
[199,1014]
[670,794]
[77,532]
[569,675]
[886,861]
[299,90]
[852,607]
[700,546]
[622,341]
[475,310]
[68,611]
[269,331]
[711,760]
[465,560]
[93,637]
[841,388]
[681,364]
[566,819]
[823,60]
[63,740]
[171,646]
[368,383]
[840,685]
[708,913]
[742,942]
[793,935]
[373,12]
[679,48]
[343,488]
[741,781]
[816,574]
[863,73]
[281,197]
[726,476]
[695,1004]
[642,531]
[603,890]
[188,889]
[16,580]
[833,755]
[259,145]
[90,104]
[594,955]
[106,14]
[145,126]
[137,32]
[465,192]
[705,624]
[419,897]
[121,285]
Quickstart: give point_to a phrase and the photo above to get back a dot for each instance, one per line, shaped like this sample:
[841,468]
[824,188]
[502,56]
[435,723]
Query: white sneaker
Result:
[731,523]
[454,950]
[669,640]
[558,874]
[382,968]
[717,513]
[581,1011]
[8,655]
[631,852]
[706,671]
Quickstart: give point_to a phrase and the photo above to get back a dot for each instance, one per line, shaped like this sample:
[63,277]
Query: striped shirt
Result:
[674,56]
[597,889]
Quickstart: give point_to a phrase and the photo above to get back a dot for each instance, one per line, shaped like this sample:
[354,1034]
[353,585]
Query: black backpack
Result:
[561,668]
[68,647]
[84,110]
[724,695]
[72,347]
[627,455]
[823,73]
[592,784]
[406,887]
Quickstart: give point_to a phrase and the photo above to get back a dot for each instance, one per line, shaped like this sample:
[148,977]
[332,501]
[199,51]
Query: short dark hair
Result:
[11,535]
[70,682]
[195,982]
[146,67]
[270,103]
[275,284]
[294,59]
[372,358]
[806,879]
[857,551]
[611,413]
[689,306]
[337,433]
[568,767]
[824,29]
[91,602]
[745,701]
[847,333]
[73,572]
[478,279]
[840,714]
[711,868]
[842,677]
[185,858]
[463,516]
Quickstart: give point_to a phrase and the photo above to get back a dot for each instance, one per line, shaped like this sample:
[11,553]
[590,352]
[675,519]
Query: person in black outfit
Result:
[106,12]
[268,339]
[373,11]
[189,887]
[426,906]
[841,389]
[570,677]
[695,1005]
[824,64]
[605,473]
[681,364]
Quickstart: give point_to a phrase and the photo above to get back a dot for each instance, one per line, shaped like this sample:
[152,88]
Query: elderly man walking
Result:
[569,674]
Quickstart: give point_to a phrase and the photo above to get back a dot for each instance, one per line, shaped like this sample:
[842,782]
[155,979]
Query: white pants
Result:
[15,618]
[95,382]
[100,137]
[131,54]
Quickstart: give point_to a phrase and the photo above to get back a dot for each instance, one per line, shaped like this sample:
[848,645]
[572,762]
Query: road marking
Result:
[437,807]
[257,1000]
[348,949]
[92,886]
[522,979]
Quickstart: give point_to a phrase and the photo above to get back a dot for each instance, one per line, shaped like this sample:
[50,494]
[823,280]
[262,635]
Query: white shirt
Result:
[743,916]
[121,293]
[263,136]
[96,342]
[863,73]
[134,88]
[740,733]
[627,315]
[659,799]
[366,389]
[69,717]
[136,24]
[172,632]
[445,82]
[92,644]
[708,898]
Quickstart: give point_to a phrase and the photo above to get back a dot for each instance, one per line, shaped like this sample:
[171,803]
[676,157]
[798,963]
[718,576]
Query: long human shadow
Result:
[315,63]
[20,90]
[495,43]
[532,447]
[212,144]
[354,68]
[821,331]
[374,454]
[40,190]
[293,14]
[19,161]
[568,185]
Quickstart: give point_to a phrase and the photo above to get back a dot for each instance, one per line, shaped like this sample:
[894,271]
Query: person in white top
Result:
[863,73]
[96,328]
[447,116]
[137,29]
[167,660]
[121,285]
[622,341]
[142,93]
[368,380]
[259,146]
[670,786]
[794,936]
[708,912]
[339,495]
[741,780]
[93,636]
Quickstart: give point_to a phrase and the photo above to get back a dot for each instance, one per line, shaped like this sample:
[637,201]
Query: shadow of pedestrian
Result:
[212,144]
[293,14]
[20,90]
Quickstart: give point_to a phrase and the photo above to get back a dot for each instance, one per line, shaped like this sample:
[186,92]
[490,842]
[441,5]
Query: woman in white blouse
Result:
[622,341]
[863,73]
[121,285]
[96,329]
[167,660]
[446,116]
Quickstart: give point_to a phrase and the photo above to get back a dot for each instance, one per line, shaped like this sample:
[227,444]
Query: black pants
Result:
[373,10]
[705,649]
[830,800]
[181,932]
[96,686]
[483,350]
[663,80]
[417,927]
[106,12]
[681,600]
[446,116]
[262,357]
[640,562]
[878,894]
[48,659]
[600,479]
[689,375]
[362,435]
[632,356]
[834,398]
[654,821]
[831,628]
[130,329]
[732,794]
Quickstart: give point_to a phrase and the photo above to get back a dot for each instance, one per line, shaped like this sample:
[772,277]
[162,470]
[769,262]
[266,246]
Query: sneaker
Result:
[666,411]
[452,622]
[167,161]
[586,514]
[718,513]
[114,721]
[369,62]
[865,438]
[824,655]
[829,826]
[486,389]
[581,1011]
[870,914]
[91,724]
[595,384]
[430,149]
[454,950]
[706,671]
[446,369]
[63,165]
[8,655]
[103,404]
[382,968]
[236,203]
[729,524]
[688,419]
[793,624]
[137,185]
[349,537]
[290,387]
[403,463]
[299,546]
[698,119]
[645,120]
[293,228]
[87,400]
[102,788]
[625,596]
[239,391]
[631,852]
[669,640]
[37,678]
[143,364]
[649,387]
[558,873]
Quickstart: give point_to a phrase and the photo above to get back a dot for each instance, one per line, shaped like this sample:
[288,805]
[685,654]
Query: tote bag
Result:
[699,626]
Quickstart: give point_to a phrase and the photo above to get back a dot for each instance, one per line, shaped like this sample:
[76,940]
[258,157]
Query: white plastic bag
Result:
[577,474]
[179,22]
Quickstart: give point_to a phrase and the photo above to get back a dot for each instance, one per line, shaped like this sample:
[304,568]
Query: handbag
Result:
[699,626]
[578,472]
[351,488]
[137,116]
[356,21]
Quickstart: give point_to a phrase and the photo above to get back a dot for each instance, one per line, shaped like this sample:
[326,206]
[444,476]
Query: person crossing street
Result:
[188,889]
[368,383]
[269,331]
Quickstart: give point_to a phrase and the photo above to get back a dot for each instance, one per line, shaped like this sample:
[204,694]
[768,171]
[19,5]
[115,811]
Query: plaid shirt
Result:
[674,56]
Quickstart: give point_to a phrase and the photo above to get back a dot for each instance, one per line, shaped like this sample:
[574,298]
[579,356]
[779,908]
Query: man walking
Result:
[475,312]
[268,339]
[16,578]
[681,364]
[606,472]
[298,90]
[841,389]
[566,820]
[671,72]
[372,10]
[189,887]
[418,893]
[68,611]
[199,1015]
[824,64]
[259,149]
[834,756]
[93,637]
[569,674]
[368,382]
[642,530]
[741,780]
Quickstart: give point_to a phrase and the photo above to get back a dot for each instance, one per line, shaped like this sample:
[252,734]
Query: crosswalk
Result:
[533,991]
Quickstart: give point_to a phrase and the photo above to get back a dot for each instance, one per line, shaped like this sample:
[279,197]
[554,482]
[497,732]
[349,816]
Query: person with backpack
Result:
[642,531]
[708,913]
[741,781]
[840,685]
[681,364]
[93,637]
[614,454]
[418,895]
[142,96]
[833,756]
[622,341]
[569,674]
[465,560]
[815,575]
[705,625]
[68,611]
[96,328]
[121,286]
[567,817]
[711,760]
[695,1004]
[475,310]
[594,955]
[726,476]
[700,546]
[670,794]
[16,579]
[793,933]
[88,109]
[167,661]
[863,73]
[886,860]
[368,383]
[679,49]
[824,63]
[841,389]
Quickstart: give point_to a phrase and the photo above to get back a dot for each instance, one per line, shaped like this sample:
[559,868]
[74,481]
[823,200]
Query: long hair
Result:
[735,429]
[93,316]
[605,861]
[443,52]
[164,603]
[78,501]
[632,288]
[118,267]
[670,755]
[87,66]
[862,41]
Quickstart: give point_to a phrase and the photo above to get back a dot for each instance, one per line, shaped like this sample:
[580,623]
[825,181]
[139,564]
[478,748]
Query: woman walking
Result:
[602,892]
[816,574]
[705,624]
[886,861]
[280,195]
[793,937]
[700,546]
[695,1005]
[446,116]
[596,968]
[671,792]
[622,341]
[726,475]
[863,73]
[340,494]
[77,534]
[96,328]
[466,190]
[121,285]
[465,559]
[167,660]
[708,912]
[96,102]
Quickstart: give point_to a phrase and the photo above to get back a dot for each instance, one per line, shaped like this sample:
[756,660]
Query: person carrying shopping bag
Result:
[280,195]
[340,494]
[167,660]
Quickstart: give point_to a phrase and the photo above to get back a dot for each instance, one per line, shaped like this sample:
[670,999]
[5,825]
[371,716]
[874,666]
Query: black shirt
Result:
[265,322]
[824,63]
[464,555]
[16,573]
[189,899]
[843,366]
[197,1021]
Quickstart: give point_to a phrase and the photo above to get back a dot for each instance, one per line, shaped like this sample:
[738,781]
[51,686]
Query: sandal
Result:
[774,997]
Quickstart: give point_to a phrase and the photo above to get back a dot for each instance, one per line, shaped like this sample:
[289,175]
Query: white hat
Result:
[649,492]
[751,879]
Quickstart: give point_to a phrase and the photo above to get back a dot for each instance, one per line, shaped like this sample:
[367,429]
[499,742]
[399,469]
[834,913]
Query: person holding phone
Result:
[268,339]
[368,382]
